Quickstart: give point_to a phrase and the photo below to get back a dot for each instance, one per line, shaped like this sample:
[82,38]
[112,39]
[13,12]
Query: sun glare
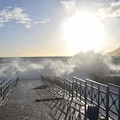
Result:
[83,32]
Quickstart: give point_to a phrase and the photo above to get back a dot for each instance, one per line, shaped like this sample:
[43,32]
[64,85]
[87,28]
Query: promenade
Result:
[38,100]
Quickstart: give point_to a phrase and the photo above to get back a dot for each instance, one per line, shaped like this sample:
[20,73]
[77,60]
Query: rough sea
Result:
[81,65]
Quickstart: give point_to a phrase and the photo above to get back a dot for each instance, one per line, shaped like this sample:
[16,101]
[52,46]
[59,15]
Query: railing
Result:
[97,94]
[4,90]
[114,73]
[106,97]
[114,101]
[0,91]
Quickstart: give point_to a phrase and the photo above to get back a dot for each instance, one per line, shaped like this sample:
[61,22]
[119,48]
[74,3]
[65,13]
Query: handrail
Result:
[96,82]
[91,92]
[4,91]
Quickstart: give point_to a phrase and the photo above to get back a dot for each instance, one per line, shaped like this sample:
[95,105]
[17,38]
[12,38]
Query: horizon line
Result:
[33,56]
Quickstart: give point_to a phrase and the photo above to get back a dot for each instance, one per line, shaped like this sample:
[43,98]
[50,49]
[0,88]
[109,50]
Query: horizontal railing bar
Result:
[88,85]
[78,79]
[61,79]
[114,85]
[68,83]
[95,88]
[80,84]
[77,94]
[95,103]
[103,91]
[96,82]
[112,117]
[102,114]
[5,83]
[68,80]
[114,111]
[115,93]
[102,107]
[88,99]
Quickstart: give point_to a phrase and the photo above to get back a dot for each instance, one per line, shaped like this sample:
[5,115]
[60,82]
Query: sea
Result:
[81,65]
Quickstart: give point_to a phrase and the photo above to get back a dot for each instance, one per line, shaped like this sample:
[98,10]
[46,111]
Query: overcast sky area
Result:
[58,27]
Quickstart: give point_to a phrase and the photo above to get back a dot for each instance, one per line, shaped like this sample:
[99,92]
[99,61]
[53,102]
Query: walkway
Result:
[27,103]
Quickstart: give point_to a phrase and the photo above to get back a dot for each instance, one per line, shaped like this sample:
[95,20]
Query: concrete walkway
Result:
[27,103]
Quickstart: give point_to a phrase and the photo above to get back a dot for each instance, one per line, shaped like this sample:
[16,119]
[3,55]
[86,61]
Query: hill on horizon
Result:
[115,52]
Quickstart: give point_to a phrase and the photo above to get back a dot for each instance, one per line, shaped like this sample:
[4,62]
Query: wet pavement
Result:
[36,100]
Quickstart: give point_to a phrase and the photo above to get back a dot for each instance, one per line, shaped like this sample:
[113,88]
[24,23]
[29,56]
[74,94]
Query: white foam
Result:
[81,65]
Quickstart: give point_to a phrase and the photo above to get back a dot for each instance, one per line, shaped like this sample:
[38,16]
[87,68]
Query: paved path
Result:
[50,104]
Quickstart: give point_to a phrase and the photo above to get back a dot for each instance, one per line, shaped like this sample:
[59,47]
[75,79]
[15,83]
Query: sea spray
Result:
[91,63]
[81,65]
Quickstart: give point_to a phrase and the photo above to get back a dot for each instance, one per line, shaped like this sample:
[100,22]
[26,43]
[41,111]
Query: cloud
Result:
[112,10]
[69,5]
[45,21]
[36,23]
[16,14]
[41,22]
[101,3]
[28,26]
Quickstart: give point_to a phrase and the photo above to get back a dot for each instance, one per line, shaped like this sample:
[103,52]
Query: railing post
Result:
[69,89]
[119,105]
[107,102]
[80,90]
[16,81]
[98,95]
[76,88]
[1,91]
[91,92]
[72,89]
[109,73]
[58,82]
[64,87]
[85,100]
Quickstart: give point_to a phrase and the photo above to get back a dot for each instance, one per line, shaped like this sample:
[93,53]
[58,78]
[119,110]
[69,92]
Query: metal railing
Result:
[97,94]
[114,73]
[114,101]
[4,91]
[106,97]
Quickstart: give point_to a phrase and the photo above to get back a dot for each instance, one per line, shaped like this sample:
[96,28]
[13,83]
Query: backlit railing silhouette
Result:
[4,90]
[106,97]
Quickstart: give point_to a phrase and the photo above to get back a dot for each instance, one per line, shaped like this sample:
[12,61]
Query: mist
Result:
[82,65]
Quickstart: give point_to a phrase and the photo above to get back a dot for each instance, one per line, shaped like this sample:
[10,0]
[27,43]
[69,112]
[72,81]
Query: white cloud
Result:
[28,26]
[113,10]
[101,3]
[41,22]
[45,21]
[36,23]
[69,5]
[17,14]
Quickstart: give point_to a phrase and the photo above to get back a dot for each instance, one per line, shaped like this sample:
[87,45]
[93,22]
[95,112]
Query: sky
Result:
[58,27]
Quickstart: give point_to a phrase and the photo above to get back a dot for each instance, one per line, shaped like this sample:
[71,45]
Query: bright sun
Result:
[83,32]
